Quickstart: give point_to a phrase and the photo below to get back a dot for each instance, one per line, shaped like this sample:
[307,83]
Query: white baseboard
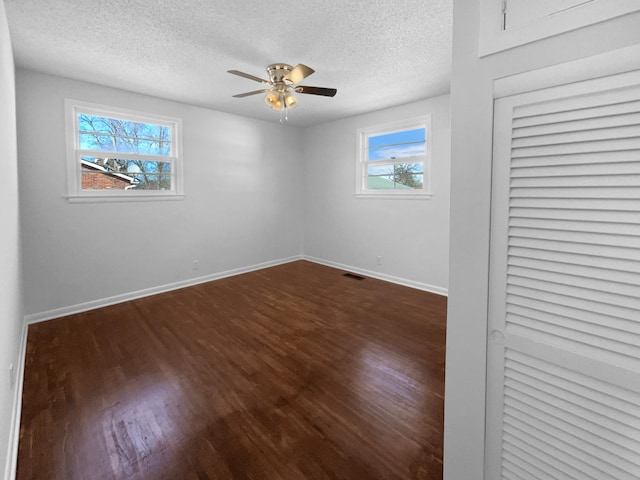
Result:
[14,432]
[104,302]
[380,276]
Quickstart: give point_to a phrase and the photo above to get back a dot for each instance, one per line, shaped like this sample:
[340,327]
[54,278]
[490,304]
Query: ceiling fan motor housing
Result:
[278,71]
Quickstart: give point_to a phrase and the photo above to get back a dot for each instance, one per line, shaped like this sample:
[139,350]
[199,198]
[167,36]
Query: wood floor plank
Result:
[291,372]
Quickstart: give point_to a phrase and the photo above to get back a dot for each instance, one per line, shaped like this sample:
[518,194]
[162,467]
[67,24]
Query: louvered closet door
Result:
[563,385]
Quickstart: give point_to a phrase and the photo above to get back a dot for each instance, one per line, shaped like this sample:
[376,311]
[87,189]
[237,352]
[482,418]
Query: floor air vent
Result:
[354,276]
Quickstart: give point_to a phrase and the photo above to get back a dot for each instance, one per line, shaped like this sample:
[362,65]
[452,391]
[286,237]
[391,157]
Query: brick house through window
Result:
[97,177]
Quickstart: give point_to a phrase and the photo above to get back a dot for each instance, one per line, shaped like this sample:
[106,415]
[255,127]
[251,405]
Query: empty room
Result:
[341,240]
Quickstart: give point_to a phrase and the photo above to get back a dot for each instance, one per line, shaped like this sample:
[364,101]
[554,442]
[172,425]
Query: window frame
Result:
[75,193]
[362,162]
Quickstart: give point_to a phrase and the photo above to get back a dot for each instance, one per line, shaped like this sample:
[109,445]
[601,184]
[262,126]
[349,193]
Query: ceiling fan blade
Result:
[298,73]
[250,77]
[255,92]
[325,92]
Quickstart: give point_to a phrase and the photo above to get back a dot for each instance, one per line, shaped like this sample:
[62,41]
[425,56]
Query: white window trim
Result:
[74,168]
[361,161]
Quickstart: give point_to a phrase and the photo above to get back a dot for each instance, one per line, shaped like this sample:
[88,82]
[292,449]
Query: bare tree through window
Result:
[125,143]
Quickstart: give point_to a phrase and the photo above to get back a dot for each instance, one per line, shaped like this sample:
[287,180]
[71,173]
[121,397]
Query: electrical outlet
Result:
[12,377]
[379,260]
[196,264]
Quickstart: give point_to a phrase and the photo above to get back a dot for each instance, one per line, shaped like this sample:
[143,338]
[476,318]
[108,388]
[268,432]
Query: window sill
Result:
[396,196]
[121,198]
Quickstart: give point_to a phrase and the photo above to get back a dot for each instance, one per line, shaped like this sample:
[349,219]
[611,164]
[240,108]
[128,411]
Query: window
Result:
[119,154]
[394,160]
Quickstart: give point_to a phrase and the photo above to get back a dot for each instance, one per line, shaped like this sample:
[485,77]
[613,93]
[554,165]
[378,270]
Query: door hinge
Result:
[504,15]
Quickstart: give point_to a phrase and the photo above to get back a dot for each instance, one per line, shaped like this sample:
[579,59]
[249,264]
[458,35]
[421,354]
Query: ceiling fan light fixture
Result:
[290,100]
[274,100]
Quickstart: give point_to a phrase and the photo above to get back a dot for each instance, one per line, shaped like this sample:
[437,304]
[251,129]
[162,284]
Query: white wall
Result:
[411,236]
[244,204]
[242,208]
[472,118]
[11,323]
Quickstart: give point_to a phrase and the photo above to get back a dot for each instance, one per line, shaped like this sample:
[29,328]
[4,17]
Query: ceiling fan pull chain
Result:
[284,114]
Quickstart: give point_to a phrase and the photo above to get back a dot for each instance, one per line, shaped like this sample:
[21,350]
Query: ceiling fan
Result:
[283,84]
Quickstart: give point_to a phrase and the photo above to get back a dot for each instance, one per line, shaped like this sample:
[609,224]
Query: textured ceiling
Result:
[378,53]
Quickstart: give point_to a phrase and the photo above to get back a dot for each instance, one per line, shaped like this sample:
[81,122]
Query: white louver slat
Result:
[565,285]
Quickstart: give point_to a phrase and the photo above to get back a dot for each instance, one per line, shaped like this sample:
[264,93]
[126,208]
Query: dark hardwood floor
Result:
[292,372]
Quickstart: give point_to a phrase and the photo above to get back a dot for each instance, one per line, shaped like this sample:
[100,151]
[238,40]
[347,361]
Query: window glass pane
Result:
[112,134]
[402,144]
[123,165]
[404,168]
[89,141]
[414,180]
[405,136]
[398,176]
[388,182]
[383,182]
[397,151]
[409,174]
[134,174]
[380,169]
[95,180]
[149,181]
